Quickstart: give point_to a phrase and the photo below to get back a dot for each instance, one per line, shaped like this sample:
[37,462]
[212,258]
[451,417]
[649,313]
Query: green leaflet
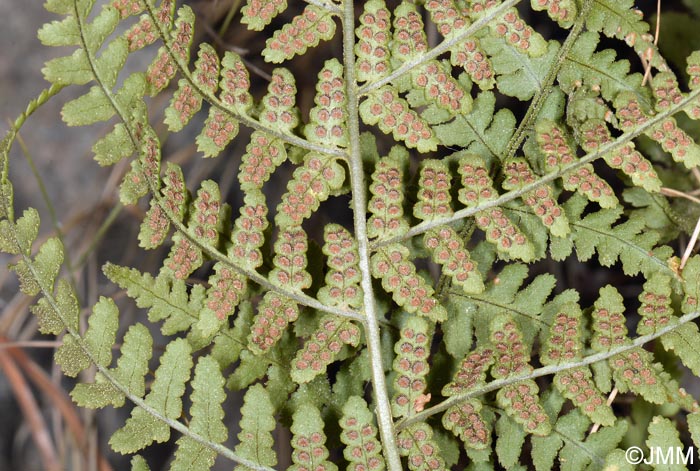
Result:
[308,441]
[165,398]
[363,450]
[207,418]
[306,30]
[256,442]
[130,373]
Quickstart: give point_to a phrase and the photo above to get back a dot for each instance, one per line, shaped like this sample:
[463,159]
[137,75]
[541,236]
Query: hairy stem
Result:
[359,208]
[545,370]
[543,93]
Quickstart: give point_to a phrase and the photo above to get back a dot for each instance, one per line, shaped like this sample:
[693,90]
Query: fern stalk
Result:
[359,208]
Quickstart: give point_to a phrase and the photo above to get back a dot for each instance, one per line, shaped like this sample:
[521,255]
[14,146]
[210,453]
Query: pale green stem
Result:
[359,208]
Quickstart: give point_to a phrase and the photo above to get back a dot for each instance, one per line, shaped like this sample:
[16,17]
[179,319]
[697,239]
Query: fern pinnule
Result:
[477,187]
[672,138]
[470,56]
[312,183]
[328,122]
[559,152]
[247,235]
[565,344]
[518,33]
[363,450]
[386,204]
[258,13]
[165,396]
[177,48]
[542,200]
[130,372]
[411,367]
[308,441]
[520,400]
[392,265]
[257,424]
[632,370]
[562,11]
[305,30]
[207,419]
[385,108]
[187,101]
[444,243]
[638,254]
[430,77]
[594,133]
[275,312]
[372,48]
[416,442]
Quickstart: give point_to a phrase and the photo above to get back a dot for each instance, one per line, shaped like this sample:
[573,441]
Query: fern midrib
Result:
[506,307]
[214,101]
[359,209]
[545,88]
[513,194]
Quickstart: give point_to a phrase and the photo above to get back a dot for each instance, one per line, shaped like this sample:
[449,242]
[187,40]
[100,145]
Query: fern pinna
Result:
[420,331]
